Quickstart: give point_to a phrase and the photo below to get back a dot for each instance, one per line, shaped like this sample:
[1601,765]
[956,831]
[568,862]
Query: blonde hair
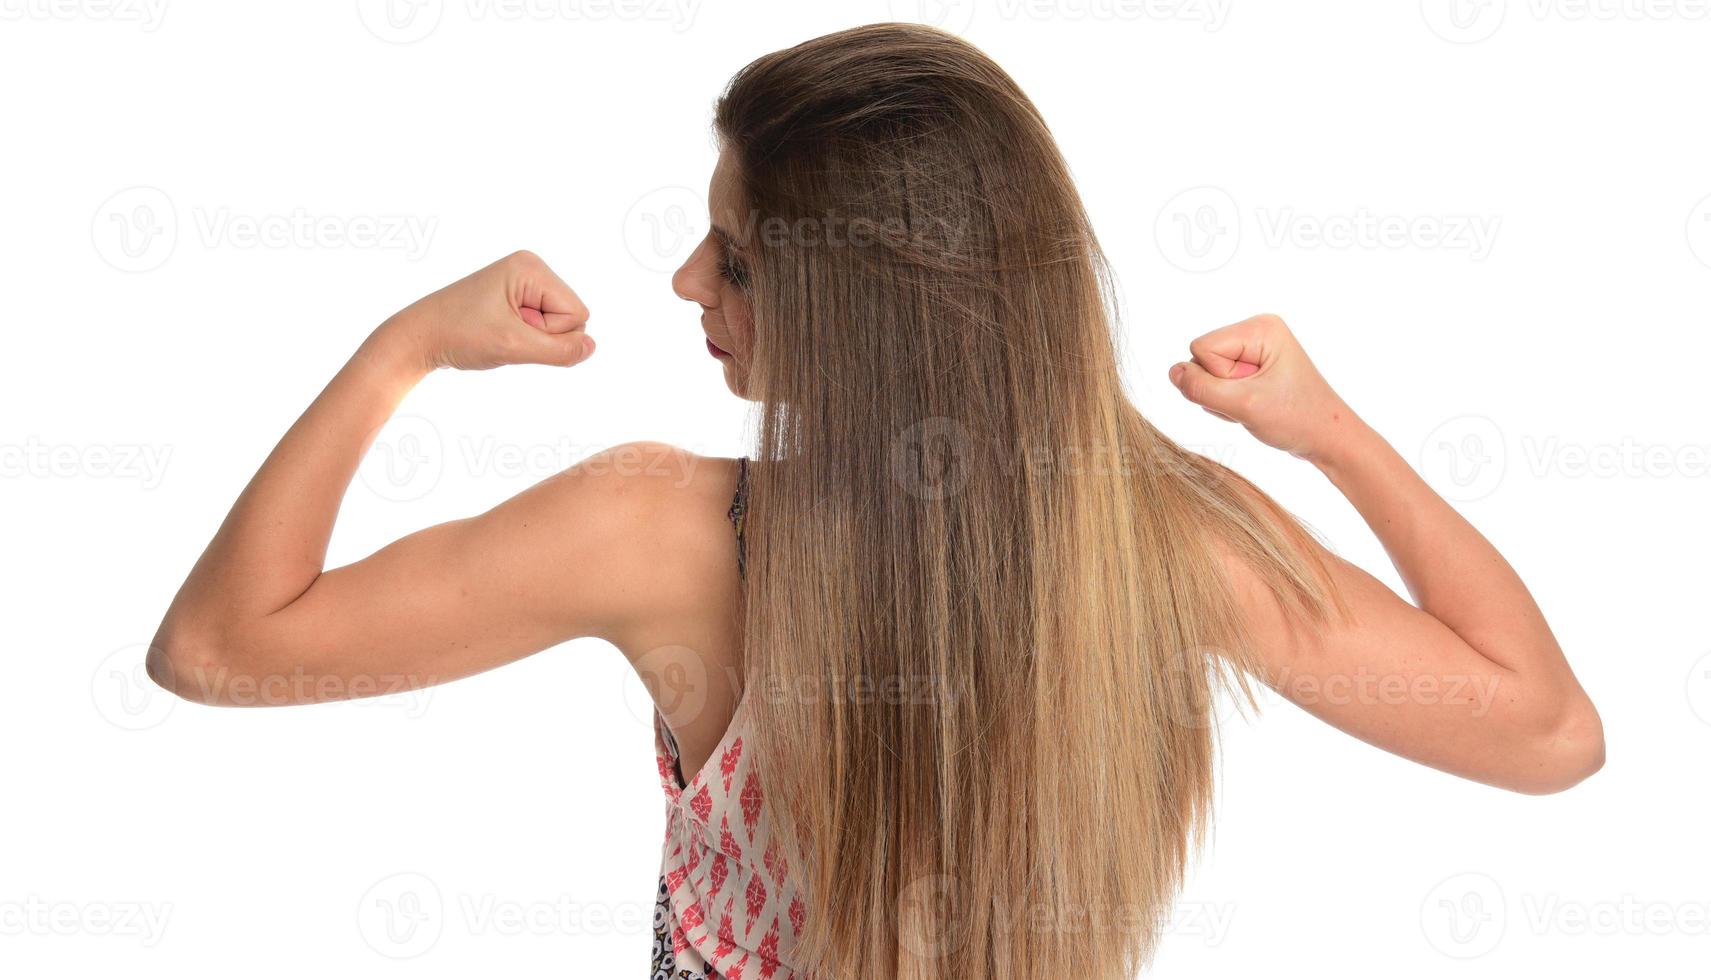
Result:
[985,606]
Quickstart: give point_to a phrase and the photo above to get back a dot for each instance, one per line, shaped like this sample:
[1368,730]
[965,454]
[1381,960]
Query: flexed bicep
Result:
[553,563]
[1398,678]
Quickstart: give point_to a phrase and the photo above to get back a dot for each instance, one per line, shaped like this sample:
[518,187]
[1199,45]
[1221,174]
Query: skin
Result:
[702,279]
[632,546]
[1470,679]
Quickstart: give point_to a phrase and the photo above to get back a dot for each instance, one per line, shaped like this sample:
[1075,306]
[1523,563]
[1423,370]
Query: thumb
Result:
[1203,388]
[562,349]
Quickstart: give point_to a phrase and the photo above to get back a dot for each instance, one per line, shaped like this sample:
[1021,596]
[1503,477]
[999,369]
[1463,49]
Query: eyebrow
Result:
[728,240]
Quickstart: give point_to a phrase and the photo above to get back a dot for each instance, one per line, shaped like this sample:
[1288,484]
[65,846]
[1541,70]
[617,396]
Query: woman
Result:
[960,618]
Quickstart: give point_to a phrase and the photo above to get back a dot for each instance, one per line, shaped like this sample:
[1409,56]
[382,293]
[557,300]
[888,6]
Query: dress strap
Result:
[739,505]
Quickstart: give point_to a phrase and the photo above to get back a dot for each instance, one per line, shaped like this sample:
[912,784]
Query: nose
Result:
[693,280]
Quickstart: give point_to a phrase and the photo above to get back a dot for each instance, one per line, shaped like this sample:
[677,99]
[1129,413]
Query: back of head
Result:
[984,606]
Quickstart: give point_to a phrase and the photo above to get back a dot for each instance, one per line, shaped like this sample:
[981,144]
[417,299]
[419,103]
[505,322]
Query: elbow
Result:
[1570,750]
[186,665]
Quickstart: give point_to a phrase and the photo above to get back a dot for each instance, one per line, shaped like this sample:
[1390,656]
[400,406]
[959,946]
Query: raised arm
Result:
[258,620]
[1471,680]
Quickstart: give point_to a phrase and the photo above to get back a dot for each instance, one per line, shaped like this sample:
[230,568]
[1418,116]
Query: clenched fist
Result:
[1255,373]
[515,311]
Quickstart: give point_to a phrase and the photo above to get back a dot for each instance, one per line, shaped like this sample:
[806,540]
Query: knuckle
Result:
[1270,321]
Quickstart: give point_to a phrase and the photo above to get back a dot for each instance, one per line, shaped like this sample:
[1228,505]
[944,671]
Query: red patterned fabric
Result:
[729,908]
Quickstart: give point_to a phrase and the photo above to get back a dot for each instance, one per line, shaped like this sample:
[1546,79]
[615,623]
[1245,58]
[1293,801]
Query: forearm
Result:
[1450,569]
[273,543]
[1495,699]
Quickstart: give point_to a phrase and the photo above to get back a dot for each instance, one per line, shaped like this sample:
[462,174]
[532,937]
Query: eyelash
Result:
[732,271]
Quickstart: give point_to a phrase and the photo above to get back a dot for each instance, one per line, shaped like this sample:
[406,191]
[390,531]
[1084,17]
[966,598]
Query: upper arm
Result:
[1396,677]
[582,553]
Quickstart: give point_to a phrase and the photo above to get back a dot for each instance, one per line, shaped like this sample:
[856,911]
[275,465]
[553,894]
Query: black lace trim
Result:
[739,506]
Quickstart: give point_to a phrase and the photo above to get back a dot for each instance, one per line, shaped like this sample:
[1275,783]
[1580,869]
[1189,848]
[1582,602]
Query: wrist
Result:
[390,358]
[1346,441]
[395,352]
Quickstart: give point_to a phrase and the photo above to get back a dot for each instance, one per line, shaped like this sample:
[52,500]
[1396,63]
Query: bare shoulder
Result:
[654,481]
[642,530]
[661,564]
[630,545]
[1277,628]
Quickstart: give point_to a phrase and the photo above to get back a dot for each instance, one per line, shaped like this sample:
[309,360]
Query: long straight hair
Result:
[985,608]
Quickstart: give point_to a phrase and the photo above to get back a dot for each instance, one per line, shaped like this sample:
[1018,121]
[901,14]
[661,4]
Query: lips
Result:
[716,350]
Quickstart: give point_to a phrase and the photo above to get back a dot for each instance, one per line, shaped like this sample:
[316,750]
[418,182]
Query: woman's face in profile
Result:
[716,277]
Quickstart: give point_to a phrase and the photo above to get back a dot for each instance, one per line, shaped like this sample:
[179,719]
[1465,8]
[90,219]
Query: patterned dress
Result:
[727,908]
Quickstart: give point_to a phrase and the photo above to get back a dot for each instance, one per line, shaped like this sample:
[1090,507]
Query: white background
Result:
[165,323]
